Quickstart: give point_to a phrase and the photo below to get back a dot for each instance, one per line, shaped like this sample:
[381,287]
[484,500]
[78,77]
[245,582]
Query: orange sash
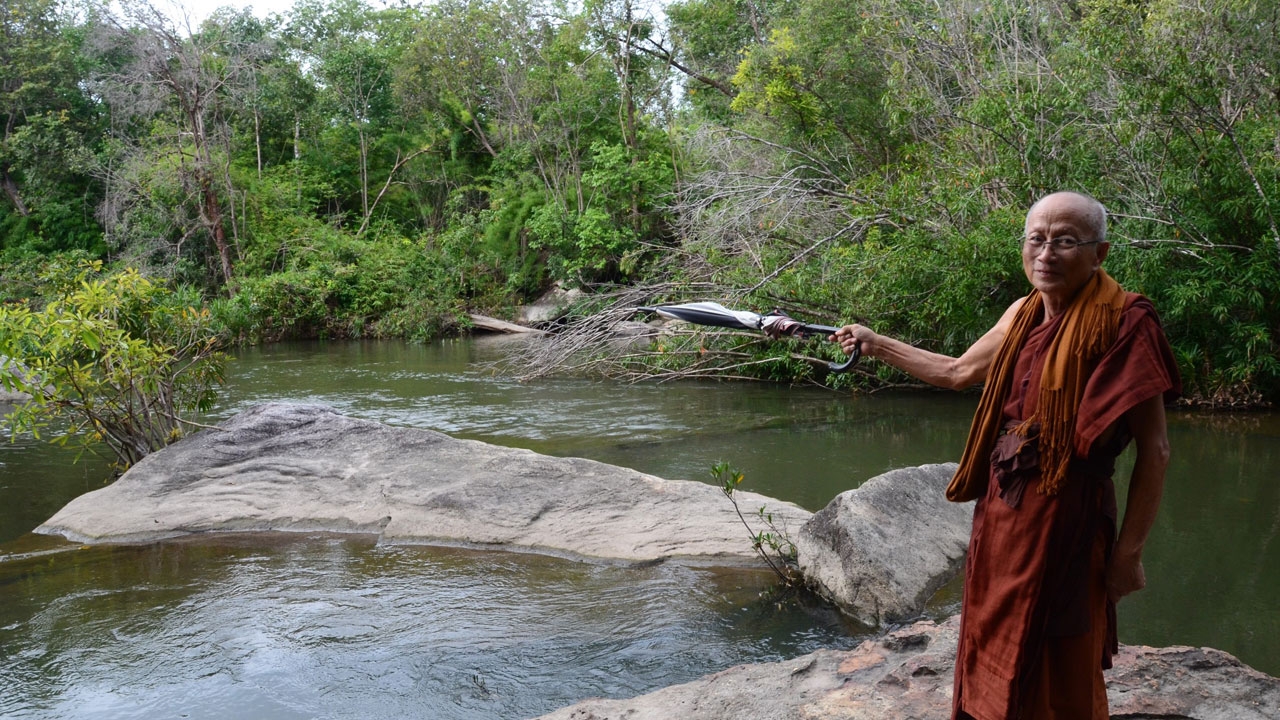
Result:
[1087,330]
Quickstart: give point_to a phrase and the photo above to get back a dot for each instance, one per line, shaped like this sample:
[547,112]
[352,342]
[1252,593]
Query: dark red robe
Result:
[1033,577]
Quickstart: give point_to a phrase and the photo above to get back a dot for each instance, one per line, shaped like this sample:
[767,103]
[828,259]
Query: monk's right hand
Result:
[1125,575]
[855,336]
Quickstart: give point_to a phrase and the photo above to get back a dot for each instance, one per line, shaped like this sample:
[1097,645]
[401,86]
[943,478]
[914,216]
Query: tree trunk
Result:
[212,215]
[210,208]
[257,138]
[11,189]
[364,176]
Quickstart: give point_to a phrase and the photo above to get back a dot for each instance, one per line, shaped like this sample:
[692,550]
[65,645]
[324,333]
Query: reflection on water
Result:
[338,627]
[331,627]
[37,479]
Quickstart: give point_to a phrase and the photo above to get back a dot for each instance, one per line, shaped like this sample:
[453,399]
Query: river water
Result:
[307,626]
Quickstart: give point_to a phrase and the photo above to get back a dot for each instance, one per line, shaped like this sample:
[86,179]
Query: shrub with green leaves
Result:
[110,359]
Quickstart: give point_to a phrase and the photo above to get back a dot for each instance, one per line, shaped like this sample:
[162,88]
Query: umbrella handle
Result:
[798,328]
[848,363]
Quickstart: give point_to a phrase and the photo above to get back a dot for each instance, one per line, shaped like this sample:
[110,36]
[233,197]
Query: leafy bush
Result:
[601,241]
[381,284]
[111,358]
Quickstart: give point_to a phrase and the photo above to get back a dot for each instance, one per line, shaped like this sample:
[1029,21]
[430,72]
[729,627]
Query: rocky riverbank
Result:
[907,674]
[878,552]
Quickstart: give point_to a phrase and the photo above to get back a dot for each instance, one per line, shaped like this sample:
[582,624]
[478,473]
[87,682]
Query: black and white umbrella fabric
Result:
[776,324]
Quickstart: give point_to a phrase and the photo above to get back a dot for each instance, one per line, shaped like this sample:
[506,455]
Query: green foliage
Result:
[1222,324]
[817,78]
[506,239]
[601,241]
[110,358]
[770,81]
[339,286]
[944,289]
[711,35]
[280,218]
[354,170]
[278,306]
[48,125]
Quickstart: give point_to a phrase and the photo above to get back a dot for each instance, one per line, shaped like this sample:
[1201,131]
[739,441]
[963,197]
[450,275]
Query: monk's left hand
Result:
[1125,575]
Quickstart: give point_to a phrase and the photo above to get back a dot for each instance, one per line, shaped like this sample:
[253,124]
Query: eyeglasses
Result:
[1063,245]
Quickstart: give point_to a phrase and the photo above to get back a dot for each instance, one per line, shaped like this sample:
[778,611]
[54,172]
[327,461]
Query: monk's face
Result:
[1059,271]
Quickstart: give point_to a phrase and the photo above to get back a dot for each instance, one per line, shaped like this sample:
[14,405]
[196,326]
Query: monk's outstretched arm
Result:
[1147,422]
[941,370]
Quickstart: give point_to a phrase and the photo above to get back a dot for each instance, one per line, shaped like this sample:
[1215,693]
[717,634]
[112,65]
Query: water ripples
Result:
[315,627]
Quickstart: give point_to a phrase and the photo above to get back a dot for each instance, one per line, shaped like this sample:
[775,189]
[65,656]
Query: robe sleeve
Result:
[1139,366]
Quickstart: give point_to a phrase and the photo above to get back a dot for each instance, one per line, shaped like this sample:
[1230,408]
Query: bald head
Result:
[1089,211]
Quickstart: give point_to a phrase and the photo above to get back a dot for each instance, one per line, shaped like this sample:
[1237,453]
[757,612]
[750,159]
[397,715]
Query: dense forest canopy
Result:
[346,169]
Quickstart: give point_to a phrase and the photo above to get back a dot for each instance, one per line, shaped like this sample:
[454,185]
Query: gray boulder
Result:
[550,307]
[908,674]
[8,397]
[308,468]
[879,552]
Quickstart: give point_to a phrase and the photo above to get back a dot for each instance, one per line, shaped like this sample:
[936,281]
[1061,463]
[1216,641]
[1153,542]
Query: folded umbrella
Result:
[776,324]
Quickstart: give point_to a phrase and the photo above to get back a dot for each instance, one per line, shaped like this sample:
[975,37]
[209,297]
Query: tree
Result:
[180,80]
[353,51]
[706,40]
[30,76]
[48,125]
[531,94]
[1188,107]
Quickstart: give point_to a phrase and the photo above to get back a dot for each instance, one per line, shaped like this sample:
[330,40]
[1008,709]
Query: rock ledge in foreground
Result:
[308,468]
[908,674]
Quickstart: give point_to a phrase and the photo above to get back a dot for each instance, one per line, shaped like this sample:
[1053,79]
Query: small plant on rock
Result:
[773,544]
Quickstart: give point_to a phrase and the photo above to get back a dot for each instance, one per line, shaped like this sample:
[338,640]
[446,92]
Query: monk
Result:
[1073,372]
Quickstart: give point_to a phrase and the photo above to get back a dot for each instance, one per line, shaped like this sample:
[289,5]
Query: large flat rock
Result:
[308,468]
[907,674]
[879,552]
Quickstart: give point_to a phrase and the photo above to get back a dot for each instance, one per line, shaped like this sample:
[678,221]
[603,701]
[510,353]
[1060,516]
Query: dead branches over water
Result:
[588,343]
[613,340]
[753,195]
[608,337]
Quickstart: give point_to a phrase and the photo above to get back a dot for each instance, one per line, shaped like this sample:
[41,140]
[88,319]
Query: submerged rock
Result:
[908,674]
[308,468]
[881,551]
